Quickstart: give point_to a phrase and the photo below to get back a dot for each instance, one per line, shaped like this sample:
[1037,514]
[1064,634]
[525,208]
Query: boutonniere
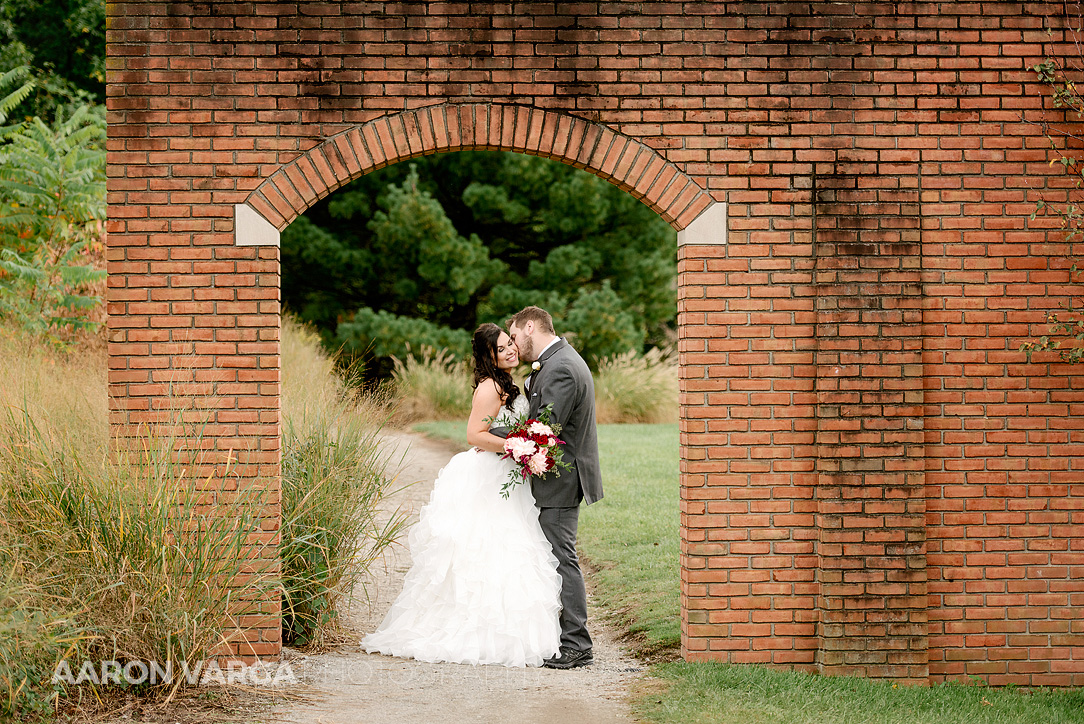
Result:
[535,366]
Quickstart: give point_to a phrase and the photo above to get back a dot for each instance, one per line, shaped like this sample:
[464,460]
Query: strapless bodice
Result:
[508,415]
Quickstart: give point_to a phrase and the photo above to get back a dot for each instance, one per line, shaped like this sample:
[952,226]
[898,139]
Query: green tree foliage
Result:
[601,325]
[1065,331]
[424,263]
[456,239]
[52,200]
[42,292]
[64,41]
[383,334]
[15,86]
[52,181]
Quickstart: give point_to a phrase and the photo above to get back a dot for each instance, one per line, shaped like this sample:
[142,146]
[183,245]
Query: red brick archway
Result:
[624,161]
[872,479]
[627,163]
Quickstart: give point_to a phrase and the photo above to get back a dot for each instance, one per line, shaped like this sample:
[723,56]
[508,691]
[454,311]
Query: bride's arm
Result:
[485,407]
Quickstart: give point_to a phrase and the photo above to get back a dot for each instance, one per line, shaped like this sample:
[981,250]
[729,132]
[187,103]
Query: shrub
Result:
[52,181]
[52,206]
[333,479]
[43,293]
[637,388]
[600,325]
[384,335]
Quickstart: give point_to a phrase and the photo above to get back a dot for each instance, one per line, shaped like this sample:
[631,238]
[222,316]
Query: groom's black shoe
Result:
[569,658]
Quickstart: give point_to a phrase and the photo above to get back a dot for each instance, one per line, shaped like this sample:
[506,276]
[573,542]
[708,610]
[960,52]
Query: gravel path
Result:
[349,685]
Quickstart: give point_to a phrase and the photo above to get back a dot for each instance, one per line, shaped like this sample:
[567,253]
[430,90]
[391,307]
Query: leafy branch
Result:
[16,96]
[52,180]
[52,205]
[43,291]
[1068,327]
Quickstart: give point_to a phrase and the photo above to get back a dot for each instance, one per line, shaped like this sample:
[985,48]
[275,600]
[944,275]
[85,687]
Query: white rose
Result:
[537,463]
[537,428]
[520,448]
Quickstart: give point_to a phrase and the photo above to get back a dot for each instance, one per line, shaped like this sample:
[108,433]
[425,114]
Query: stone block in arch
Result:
[623,161]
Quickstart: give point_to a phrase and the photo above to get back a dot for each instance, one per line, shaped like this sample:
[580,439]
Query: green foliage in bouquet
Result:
[528,438]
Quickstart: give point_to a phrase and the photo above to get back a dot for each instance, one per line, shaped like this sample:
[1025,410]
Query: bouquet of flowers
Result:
[534,447]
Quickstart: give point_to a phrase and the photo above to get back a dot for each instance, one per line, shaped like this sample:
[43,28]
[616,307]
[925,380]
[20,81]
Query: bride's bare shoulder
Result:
[488,390]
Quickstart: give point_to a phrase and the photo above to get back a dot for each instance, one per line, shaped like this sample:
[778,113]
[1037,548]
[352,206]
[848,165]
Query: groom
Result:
[561,378]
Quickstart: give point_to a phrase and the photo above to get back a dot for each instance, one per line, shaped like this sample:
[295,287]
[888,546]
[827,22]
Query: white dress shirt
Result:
[527,383]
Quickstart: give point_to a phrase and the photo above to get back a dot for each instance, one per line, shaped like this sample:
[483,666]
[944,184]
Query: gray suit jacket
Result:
[564,381]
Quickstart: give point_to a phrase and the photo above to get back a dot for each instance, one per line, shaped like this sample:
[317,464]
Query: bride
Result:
[483,587]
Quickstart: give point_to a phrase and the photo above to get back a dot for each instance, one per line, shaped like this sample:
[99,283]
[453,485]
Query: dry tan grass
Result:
[637,388]
[334,476]
[629,388]
[117,559]
[431,386]
[121,559]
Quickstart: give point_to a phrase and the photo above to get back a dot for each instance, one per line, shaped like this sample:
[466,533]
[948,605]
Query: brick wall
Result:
[873,481]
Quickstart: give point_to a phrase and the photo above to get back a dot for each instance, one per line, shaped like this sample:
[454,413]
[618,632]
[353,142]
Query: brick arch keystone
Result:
[627,163]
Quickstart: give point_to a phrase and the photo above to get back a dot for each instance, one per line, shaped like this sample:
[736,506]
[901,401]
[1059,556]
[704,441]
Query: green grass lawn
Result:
[719,693]
[630,538]
[454,431]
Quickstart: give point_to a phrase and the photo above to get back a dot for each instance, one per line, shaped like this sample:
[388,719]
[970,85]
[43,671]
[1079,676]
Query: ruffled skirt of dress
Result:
[483,587]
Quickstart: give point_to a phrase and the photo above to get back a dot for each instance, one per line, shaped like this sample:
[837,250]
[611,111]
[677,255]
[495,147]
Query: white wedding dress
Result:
[483,587]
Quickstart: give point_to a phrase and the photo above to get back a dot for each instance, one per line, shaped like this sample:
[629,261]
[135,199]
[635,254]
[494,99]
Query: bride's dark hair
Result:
[485,361]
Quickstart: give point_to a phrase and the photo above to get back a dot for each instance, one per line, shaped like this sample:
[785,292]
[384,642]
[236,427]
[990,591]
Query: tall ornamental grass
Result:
[629,387]
[135,557]
[35,634]
[38,622]
[130,560]
[333,479]
[431,386]
[635,388]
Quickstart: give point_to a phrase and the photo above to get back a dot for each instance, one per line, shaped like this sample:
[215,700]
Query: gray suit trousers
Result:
[559,525]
